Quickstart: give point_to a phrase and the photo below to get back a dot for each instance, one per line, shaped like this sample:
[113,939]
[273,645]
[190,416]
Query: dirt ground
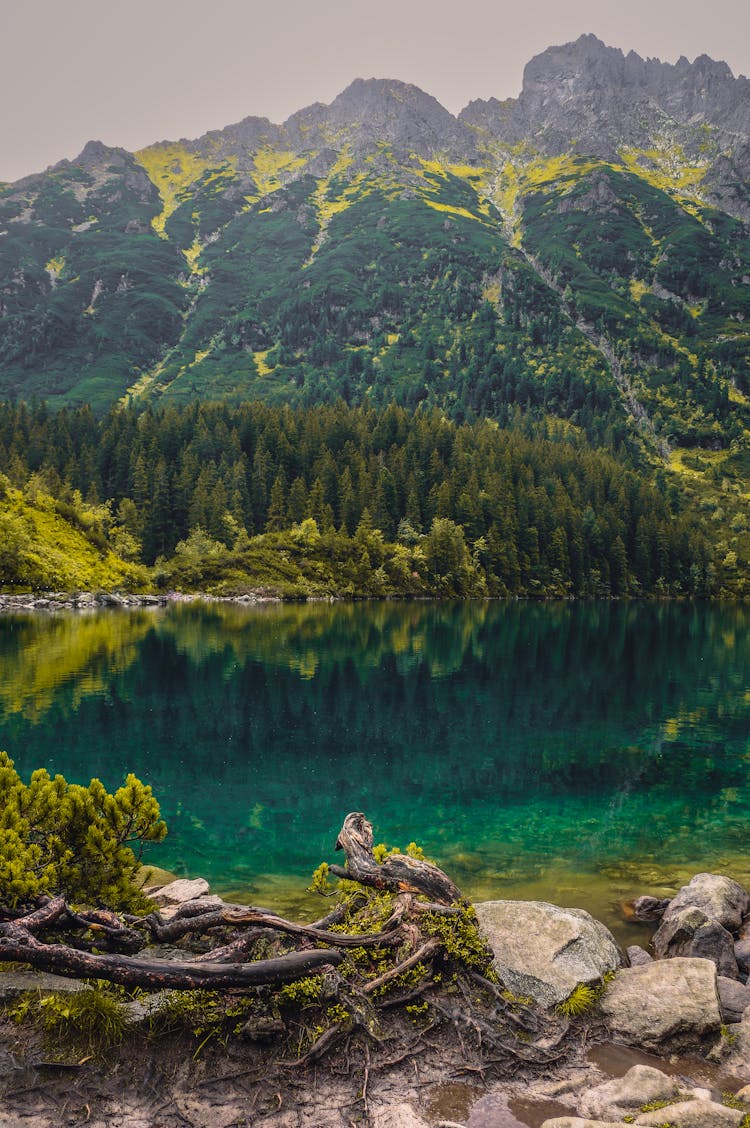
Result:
[161,1084]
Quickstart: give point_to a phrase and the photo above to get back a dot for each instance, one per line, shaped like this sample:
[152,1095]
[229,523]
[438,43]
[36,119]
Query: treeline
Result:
[475,508]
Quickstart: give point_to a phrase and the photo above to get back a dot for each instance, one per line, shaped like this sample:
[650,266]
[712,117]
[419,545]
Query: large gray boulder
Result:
[543,951]
[625,1096]
[720,898]
[665,1005]
[691,933]
[693,1114]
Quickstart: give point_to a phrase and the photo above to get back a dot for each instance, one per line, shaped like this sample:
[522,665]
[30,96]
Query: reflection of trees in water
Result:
[58,660]
[511,727]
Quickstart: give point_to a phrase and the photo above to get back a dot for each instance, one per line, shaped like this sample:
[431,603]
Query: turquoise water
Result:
[577,753]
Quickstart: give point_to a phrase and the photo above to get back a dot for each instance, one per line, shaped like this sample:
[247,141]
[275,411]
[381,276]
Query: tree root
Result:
[417,967]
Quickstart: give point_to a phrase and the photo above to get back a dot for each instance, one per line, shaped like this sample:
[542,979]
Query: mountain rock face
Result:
[591,99]
[375,113]
[579,254]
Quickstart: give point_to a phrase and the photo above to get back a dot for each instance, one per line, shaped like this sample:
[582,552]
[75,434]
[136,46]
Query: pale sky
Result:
[130,72]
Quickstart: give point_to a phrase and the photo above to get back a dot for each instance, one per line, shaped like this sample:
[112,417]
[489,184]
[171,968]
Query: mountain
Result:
[580,252]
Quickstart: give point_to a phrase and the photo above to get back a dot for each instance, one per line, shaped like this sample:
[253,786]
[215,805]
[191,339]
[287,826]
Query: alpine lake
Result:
[569,752]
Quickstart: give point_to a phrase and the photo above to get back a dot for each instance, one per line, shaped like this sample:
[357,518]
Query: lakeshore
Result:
[668,1035]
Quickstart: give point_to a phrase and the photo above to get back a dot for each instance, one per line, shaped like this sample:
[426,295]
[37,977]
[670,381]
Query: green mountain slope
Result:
[579,254]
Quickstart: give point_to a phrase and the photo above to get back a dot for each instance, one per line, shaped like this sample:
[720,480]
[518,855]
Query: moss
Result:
[580,1001]
[87,1021]
[302,993]
[517,1000]
[731,1101]
[462,939]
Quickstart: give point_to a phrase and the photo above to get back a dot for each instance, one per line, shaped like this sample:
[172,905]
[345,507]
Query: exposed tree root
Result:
[374,976]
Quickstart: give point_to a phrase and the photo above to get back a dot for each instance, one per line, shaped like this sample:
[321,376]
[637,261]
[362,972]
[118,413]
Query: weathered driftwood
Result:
[90,931]
[19,942]
[398,873]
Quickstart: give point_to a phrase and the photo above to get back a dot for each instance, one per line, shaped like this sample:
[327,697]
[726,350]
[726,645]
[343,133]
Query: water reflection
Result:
[574,751]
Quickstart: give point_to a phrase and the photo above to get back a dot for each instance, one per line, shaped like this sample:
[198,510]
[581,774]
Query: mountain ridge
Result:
[318,257]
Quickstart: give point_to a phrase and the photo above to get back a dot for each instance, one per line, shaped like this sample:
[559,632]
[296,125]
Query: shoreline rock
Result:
[96,601]
[545,952]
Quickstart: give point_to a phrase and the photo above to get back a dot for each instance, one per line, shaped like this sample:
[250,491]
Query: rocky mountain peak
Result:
[375,112]
[576,73]
[95,155]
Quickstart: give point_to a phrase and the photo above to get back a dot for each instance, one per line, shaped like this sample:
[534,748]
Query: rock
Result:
[719,897]
[668,1004]
[545,951]
[691,933]
[742,954]
[213,901]
[177,892]
[693,1114]
[738,1044]
[734,998]
[15,983]
[638,955]
[141,1011]
[743,1094]
[649,908]
[626,1095]
[262,1029]
[580,1122]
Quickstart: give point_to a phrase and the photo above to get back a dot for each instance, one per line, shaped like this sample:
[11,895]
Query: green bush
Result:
[57,837]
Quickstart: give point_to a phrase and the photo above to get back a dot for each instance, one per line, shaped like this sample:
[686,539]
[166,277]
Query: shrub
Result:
[57,837]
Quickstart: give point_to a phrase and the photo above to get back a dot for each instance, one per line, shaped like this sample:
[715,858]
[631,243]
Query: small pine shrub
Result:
[62,838]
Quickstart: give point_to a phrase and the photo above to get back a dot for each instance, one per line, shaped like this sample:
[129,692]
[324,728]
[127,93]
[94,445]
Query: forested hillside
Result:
[363,501]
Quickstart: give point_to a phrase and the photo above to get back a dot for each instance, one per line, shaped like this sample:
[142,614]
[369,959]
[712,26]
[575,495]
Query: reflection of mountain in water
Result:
[512,733]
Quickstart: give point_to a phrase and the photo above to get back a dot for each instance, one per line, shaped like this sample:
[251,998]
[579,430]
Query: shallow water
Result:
[575,753]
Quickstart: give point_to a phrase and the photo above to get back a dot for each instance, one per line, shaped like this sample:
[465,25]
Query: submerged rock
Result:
[649,908]
[665,1005]
[544,951]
